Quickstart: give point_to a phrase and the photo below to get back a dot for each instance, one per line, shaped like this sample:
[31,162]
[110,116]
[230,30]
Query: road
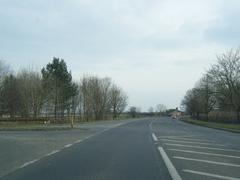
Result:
[150,148]
[17,148]
[195,152]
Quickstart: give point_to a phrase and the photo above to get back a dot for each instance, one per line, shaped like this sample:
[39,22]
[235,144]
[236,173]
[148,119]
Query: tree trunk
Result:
[238,116]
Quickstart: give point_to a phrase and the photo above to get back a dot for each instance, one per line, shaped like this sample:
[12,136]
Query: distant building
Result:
[175,113]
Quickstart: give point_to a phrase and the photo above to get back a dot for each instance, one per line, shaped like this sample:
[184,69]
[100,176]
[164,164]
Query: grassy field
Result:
[224,126]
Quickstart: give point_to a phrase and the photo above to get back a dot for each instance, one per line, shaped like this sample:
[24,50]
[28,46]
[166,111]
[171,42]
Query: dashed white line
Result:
[172,170]
[119,124]
[53,152]
[210,175]
[202,147]
[191,142]
[78,141]
[68,145]
[206,161]
[154,137]
[204,153]
[28,163]
[150,126]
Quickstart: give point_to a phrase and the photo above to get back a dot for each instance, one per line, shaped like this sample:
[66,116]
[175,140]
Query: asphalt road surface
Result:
[18,148]
[146,149]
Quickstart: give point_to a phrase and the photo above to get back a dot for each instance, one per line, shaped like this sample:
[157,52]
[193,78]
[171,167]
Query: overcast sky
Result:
[154,49]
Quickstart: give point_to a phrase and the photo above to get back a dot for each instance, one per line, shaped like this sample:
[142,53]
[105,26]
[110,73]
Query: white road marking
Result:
[150,126]
[189,139]
[28,163]
[119,124]
[172,170]
[204,153]
[68,145]
[78,141]
[177,136]
[53,152]
[206,161]
[202,147]
[191,142]
[210,175]
[154,137]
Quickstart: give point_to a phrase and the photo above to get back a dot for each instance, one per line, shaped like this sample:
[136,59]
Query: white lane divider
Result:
[210,175]
[172,170]
[53,152]
[154,137]
[68,145]
[191,142]
[28,163]
[204,153]
[78,141]
[206,161]
[202,147]
[150,126]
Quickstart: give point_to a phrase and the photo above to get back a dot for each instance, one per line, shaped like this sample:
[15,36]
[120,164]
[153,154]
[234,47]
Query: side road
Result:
[17,148]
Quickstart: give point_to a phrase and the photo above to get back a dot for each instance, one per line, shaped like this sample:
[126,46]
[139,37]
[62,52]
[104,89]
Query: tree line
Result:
[216,96]
[53,94]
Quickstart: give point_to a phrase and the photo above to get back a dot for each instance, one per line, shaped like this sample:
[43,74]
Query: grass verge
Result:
[36,126]
[32,127]
[222,126]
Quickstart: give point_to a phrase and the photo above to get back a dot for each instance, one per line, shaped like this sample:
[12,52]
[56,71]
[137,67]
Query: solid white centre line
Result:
[206,161]
[172,170]
[210,175]
[202,147]
[154,137]
[191,142]
[204,153]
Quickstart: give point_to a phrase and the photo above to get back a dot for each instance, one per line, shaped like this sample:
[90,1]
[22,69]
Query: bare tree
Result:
[4,71]
[85,94]
[100,96]
[10,96]
[161,109]
[206,95]
[96,97]
[118,100]
[151,111]
[133,111]
[192,103]
[226,77]
[31,94]
[31,91]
